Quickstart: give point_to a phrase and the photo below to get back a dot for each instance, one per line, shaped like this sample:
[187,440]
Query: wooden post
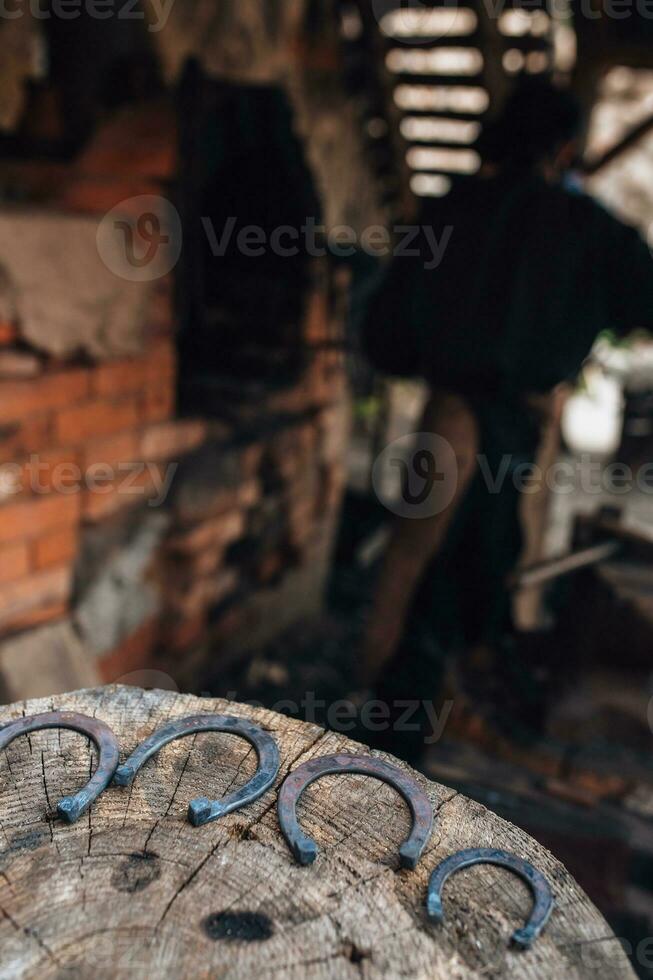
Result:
[133,890]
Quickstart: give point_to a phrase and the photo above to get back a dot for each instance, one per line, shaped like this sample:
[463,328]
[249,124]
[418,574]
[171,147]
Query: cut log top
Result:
[133,890]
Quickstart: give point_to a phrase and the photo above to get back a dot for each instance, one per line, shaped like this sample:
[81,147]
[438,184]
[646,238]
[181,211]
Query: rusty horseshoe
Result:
[524,938]
[70,808]
[305,849]
[203,810]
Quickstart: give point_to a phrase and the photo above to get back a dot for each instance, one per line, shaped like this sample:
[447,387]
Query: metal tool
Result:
[70,808]
[534,879]
[597,538]
[203,810]
[305,849]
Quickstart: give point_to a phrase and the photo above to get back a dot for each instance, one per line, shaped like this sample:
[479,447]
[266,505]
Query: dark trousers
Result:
[463,600]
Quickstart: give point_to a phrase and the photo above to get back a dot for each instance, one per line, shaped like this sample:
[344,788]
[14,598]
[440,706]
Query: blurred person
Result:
[533,272]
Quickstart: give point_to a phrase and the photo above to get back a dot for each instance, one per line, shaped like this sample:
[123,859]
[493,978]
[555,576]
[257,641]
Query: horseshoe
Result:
[524,938]
[305,849]
[203,810]
[71,808]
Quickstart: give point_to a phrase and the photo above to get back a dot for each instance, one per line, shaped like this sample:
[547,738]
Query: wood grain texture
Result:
[133,890]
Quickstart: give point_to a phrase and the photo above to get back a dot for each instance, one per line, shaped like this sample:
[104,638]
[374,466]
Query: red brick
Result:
[98,505]
[55,470]
[139,141]
[74,426]
[316,321]
[119,377]
[251,458]
[8,333]
[19,399]
[189,603]
[203,594]
[159,402]
[250,494]
[12,485]
[32,618]
[27,598]
[233,621]
[214,534]
[134,653]
[23,438]
[56,548]
[207,507]
[35,517]
[186,633]
[202,564]
[182,572]
[160,320]
[127,490]
[16,364]
[161,362]
[97,196]
[123,448]
[14,562]
[167,439]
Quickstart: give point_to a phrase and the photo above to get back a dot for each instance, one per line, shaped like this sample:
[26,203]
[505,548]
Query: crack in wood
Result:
[349,916]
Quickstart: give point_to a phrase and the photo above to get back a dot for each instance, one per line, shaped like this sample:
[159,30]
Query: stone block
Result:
[45,661]
[67,300]
[117,591]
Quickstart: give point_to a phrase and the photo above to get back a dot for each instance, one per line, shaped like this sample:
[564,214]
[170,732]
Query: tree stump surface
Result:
[133,890]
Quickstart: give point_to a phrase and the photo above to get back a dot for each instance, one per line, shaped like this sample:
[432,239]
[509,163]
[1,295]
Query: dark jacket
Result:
[531,275]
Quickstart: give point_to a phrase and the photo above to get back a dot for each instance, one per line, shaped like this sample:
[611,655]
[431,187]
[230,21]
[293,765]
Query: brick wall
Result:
[245,523]
[69,435]
[131,538]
